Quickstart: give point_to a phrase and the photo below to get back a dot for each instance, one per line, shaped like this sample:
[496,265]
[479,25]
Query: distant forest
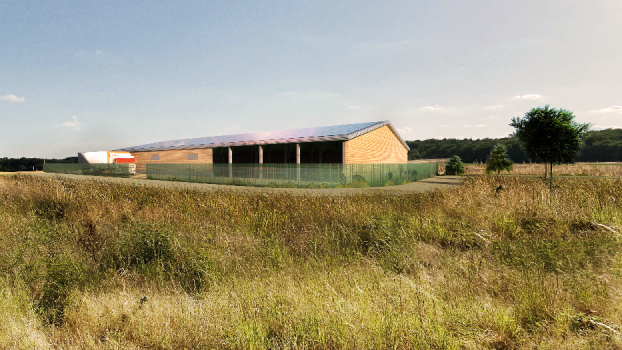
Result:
[28,164]
[599,146]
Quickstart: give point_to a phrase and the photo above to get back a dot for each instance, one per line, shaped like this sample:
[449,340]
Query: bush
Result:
[498,160]
[455,166]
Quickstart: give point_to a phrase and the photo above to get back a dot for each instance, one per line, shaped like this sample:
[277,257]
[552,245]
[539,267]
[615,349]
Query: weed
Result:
[88,265]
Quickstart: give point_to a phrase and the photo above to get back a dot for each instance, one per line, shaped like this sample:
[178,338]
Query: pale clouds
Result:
[480,125]
[431,108]
[494,107]
[404,130]
[612,109]
[527,97]
[12,98]
[73,124]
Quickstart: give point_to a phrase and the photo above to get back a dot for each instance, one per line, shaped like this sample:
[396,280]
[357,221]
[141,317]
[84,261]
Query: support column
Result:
[298,160]
[230,162]
[260,161]
[260,154]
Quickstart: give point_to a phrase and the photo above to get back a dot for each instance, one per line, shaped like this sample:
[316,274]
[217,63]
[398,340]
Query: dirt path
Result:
[430,184]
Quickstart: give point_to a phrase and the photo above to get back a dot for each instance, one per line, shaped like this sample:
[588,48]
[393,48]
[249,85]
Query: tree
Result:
[455,166]
[550,135]
[498,160]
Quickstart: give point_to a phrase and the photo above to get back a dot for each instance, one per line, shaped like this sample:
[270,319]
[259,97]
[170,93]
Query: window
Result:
[155,157]
[193,156]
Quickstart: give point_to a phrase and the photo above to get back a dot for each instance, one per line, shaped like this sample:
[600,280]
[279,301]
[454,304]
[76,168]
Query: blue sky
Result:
[98,75]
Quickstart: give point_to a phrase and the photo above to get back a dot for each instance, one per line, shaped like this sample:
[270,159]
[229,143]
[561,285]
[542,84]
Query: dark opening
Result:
[310,152]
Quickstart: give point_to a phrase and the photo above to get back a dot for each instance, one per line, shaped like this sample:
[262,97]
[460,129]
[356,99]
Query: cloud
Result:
[73,124]
[494,107]
[527,97]
[404,130]
[612,109]
[466,126]
[12,98]
[431,108]
[480,125]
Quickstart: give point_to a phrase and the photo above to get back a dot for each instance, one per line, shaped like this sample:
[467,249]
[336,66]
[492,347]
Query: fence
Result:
[294,175]
[116,170]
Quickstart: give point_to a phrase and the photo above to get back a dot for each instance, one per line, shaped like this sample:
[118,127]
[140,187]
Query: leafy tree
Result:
[455,166]
[550,135]
[498,160]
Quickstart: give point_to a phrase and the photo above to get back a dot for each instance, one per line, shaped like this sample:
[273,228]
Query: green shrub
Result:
[455,166]
[498,160]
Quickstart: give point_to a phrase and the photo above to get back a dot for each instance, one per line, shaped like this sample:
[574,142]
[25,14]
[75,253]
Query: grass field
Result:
[498,263]
[579,169]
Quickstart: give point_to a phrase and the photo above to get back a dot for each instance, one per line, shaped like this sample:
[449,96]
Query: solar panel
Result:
[323,133]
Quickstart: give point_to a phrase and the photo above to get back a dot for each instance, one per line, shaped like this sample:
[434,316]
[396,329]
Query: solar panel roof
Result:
[323,133]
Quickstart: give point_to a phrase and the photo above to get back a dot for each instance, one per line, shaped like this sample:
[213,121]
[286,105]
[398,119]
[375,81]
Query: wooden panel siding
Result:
[175,156]
[377,146]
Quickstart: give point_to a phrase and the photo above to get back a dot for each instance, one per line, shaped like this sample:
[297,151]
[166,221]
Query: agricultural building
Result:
[361,143]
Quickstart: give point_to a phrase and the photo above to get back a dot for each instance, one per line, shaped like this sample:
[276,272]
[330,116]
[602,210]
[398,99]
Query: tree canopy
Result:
[550,135]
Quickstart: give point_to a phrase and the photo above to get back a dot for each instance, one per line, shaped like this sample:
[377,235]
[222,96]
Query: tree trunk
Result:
[546,170]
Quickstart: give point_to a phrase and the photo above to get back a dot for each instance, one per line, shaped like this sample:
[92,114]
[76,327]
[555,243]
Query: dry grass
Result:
[497,263]
[579,169]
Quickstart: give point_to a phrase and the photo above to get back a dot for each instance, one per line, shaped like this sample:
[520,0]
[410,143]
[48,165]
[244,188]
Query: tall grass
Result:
[496,263]
[579,169]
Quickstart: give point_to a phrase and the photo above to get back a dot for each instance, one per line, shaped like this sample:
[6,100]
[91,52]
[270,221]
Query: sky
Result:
[79,76]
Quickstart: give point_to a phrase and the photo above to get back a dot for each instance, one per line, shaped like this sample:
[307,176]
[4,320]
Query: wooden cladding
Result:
[175,156]
[377,146]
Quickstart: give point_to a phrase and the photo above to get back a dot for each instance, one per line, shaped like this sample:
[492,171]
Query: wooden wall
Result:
[176,156]
[377,146]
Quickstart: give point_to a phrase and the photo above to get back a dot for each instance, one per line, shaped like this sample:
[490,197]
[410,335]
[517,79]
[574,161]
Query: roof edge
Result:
[378,126]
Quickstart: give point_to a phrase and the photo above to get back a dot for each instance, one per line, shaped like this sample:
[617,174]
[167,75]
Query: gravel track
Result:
[430,184]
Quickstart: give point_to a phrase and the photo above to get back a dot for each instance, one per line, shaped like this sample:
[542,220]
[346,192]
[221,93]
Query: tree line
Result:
[598,146]
[30,164]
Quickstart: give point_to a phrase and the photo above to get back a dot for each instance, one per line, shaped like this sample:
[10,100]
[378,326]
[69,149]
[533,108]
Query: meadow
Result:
[499,263]
[578,169]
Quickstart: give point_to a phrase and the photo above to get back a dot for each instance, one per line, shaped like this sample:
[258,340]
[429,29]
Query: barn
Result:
[360,143]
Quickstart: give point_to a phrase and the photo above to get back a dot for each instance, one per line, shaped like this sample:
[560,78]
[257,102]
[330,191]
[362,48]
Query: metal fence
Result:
[116,170]
[294,175]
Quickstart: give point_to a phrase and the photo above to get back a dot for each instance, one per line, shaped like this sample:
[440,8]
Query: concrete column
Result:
[343,152]
[230,162]
[260,161]
[298,161]
[260,154]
